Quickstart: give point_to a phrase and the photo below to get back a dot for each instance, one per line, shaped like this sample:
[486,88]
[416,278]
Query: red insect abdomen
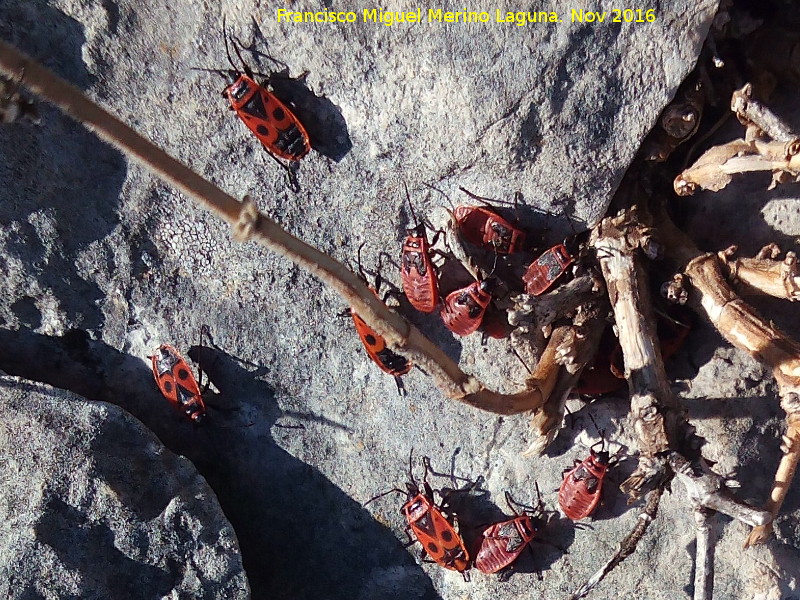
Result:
[420,283]
[463,309]
[543,272]
[502,543]
[493,556]
[471,221]
[580,491]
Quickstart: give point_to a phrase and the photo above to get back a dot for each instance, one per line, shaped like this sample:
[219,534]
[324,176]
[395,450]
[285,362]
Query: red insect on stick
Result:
[389,361]
[543,272]
[483,227]
[417,272]
[503,542]
[430,526]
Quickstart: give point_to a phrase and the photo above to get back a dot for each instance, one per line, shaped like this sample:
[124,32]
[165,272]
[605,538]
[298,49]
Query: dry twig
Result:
[769,145]
[627,546]
[571,348]
[763,274]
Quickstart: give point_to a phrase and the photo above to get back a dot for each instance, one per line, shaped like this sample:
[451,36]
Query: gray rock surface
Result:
[102,263]
[93,506]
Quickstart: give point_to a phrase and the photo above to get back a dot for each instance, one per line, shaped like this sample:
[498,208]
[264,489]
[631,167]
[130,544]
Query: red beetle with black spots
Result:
[177,383]
[432,529]
[483,227]
[464,309]
[582,487]
[389,361]
[543,272]
[272,121]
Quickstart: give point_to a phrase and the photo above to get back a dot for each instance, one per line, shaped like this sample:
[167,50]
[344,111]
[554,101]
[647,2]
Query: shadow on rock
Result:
[322,119]
[300,535]
[476,512]
[61,183]
[77,543]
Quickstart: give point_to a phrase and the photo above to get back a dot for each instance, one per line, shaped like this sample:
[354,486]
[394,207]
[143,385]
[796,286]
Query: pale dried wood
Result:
[571,348]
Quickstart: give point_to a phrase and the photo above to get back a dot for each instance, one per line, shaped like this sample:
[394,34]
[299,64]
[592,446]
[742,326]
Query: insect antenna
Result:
[602,432]
[408,198]
[382,494]
[486,201]
[253,50]
[449,200]
[411,468]
[220,72]
[524,508]
[228,51]
[239,54]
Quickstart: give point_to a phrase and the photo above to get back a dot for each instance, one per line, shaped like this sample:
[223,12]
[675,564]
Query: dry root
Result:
[769,145]
[626,547]
[763,274]
[570,349]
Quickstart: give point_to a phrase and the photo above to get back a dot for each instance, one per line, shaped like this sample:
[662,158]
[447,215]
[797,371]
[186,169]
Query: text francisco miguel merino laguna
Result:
[437,15]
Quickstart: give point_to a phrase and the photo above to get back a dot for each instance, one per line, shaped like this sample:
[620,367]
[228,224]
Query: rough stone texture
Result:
[91,243]
[93,506]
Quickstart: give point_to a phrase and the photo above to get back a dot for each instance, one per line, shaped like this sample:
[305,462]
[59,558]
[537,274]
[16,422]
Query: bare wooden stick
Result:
[707,172]
[626,547]
[571,347]
[248,222]
[763,274]
[769,145]
[536,312]
[619,241]
[783,478]
[748,110]
[704,553]
[709,293]
[740,324]
[706,489]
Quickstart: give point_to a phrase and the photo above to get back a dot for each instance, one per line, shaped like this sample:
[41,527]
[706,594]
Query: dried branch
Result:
[249,223]
[750,111]
[537,312]
[660,422]
[654,410]
[783,477]
[740,324]
[763,274]
[704,553]
[708,292]
[626,547]
[707,172]
[769,145]
[706,489]
[571,348]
